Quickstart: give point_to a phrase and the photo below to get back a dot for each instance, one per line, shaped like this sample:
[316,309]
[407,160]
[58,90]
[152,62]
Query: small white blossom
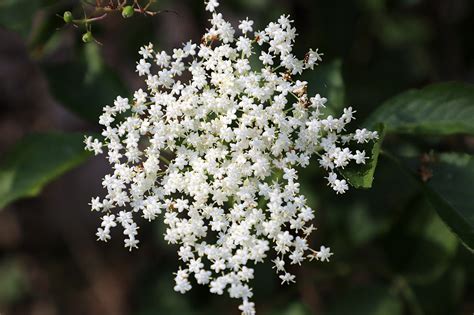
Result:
[287,278]
[246,26]
[279,264]
[146,51]
[211,5]
[324,254]
[95,204]
[266,58]
[203,276]
[103,234]
[143,67]
[313,57]
[360,157]
[247,308]
[182,282]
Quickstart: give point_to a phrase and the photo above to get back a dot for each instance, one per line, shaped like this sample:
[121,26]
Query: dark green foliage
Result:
[439,109]
[36,160]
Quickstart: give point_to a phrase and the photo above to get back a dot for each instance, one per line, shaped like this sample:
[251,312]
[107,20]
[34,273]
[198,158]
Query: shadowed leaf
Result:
[35,161]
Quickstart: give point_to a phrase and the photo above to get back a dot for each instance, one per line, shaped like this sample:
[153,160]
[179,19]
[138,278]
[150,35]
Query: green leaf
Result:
[370,300]
[84,86]
[439,109]
[450,192]
[362,175]
[35,161]
[326,80]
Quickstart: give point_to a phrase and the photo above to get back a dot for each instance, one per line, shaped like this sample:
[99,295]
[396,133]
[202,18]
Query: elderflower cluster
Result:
[213,145]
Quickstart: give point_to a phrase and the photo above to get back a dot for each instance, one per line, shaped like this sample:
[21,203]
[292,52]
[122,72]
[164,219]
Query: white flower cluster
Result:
[213,143]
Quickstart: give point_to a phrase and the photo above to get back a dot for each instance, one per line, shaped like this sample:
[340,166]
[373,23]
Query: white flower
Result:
[313,57]
[364,135]
[324,253]
[94,145]
[146,51]
[95,204]
[108,221]
[189,49]
[287,278]
[143,67]
[360,157]
[131,243]
[212,5]
[279,264]
[340,186]
[217,155]
[121,104]
[162,59]
[317,101]
[247,308]
[246,25]
[182,282]
[202,277]
[103,234]
[266,58]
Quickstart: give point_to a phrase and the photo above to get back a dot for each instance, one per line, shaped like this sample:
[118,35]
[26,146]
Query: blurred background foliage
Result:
[401,247]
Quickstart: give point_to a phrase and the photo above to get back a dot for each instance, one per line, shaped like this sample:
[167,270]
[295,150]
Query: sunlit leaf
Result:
[439,109]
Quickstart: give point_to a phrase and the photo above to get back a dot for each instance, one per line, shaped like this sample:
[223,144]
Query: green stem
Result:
[295,95]
[165,160]
[275,69]
[85,21]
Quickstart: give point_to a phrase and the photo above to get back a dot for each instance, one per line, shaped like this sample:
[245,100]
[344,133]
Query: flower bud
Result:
[67,17]
[87,37]
[128,11]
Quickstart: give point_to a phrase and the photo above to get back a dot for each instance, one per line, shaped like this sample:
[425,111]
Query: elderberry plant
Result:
[212,145]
